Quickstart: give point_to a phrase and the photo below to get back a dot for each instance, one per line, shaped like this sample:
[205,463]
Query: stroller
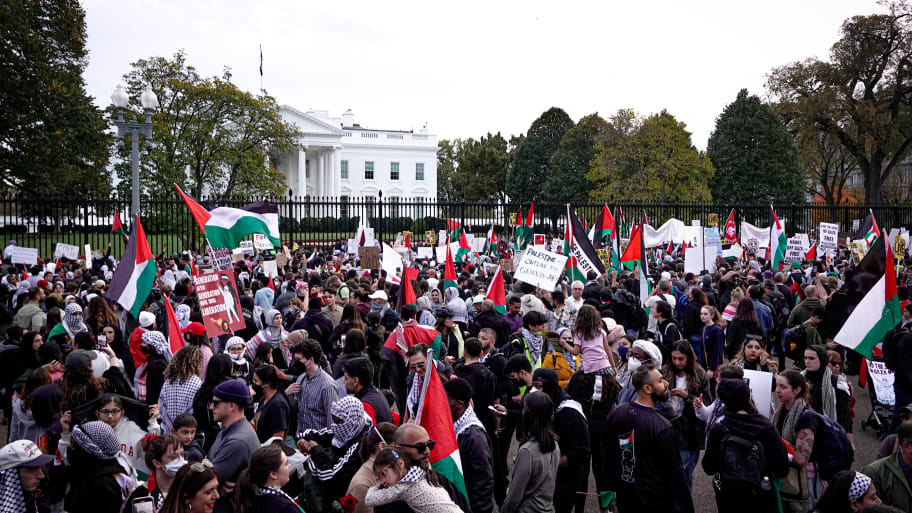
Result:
[881,407]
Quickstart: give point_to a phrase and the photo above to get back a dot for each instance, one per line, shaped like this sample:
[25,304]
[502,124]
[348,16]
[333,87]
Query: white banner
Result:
[66,250]
[882,377]
[540,268]
[749,231]
[672,230]
[20,255]
[425,252]
[829,235]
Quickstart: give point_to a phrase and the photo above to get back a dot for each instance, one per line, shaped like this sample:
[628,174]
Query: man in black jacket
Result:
[474,446]
[592,288]
[359,374]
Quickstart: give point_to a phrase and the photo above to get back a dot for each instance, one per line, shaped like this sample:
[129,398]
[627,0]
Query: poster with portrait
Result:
[220,304]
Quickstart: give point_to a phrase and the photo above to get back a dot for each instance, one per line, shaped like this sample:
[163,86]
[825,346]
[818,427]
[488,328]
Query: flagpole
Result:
[424,386]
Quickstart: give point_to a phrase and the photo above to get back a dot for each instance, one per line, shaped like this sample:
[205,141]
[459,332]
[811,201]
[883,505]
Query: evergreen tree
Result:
[532,158]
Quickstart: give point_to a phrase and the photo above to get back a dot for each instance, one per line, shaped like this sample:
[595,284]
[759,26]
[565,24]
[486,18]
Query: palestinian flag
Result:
[497,293]
[454,228]
[408,240]
[490,247]
[731,233]
[636,253]
[866,308]
[434,416]
[407,294]
[868,231]
[573,270]
[622,225]
[811,255]
[117,227]
[175,337]
[464,248]
[226,227]
[134,277]
[777,242]
[581,251]
[449,271]
[523,234]
[602,229]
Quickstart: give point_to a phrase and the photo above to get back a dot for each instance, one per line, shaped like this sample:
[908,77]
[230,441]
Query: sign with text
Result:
[370,257]
[430,236]
[540,268]
[220,304]
[604,256]
[247,247]
[883,382]
[66,250]
[711,239]
[713,220]
[829,235]
[441,238]
[557,245]
[794,250]
[20,255]
[425,252]
[220,258]
[260,241]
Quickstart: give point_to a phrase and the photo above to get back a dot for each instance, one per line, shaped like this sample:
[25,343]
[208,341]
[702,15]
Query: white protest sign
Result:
[735,251]
[441,237]
[711,239]
[829,235]
[220,258]
[270,268]
[761,386]
[805,241]
[425,252]
[441,253]
[352,246]
[260,241]
[66,250]
[88,251]
[557,245]
[246,247]
[20,255]
[855,224]
[794,250]
[882,377]
[469,238]
[540,268]
[694,260]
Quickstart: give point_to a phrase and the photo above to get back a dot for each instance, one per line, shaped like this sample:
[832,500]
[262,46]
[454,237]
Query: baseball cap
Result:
[379,294]
[905,409]
[478,299]
[197,328]
[80,359]
[23,453]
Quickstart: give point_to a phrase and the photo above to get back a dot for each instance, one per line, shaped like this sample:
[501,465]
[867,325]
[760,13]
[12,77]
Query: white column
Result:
[302,173]
[318,179]
[337,173]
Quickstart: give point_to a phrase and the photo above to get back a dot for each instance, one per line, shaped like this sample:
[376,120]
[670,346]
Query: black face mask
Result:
[257,389]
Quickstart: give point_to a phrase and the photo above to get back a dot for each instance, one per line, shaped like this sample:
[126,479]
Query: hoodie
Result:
[130,436]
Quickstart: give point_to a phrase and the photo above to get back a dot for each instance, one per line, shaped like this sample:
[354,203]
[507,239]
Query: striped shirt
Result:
[318,393]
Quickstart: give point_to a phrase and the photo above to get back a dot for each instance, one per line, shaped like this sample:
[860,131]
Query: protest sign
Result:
[859,248]
[761,386]
[425,252]
[430,236]
[794,250]
[237,256]
[441,237]
[540,268]
[899,247]
[220,258]
[20,255]
[247,247]
[260,241]
[855,224]
[557,245]
[281,260]
[506,265]
[88,251]
[734,252]
[604,256]
[441,253]
[538,239]
[220,304]
[352,246]
[370,257]
[713,220]
[882,377]
[695,261]
[66,250]
[829,235]
[711,239]
[270,268]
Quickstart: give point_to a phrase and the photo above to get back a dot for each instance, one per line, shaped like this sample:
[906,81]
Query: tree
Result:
[828,164]
[52,138]
[533,156]
[446,166]
[566,179]
[862,96]
[650,160]
[481,172]
[754,155]
[210,137]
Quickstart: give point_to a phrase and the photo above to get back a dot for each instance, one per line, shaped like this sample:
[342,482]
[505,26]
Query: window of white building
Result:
[419,171]
[345,170]
[368,170]
[394,170]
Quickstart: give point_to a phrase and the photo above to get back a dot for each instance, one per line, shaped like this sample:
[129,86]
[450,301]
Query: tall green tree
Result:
[210,137]
[446,166]
[52,138]
[649,159]
[533,157]
[566,178]
[861,96]
[481,172]
[754,155]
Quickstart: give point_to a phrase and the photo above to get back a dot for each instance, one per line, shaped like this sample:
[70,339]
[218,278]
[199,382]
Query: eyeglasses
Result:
[417,366]
[201,466]
[421,447]
[112,412]
[832,362]
[215,402]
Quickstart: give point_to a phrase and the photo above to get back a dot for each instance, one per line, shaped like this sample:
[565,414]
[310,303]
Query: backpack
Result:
[835,452]
[516,345]
[681,302]
[741,460]
[796,339]
[778,308]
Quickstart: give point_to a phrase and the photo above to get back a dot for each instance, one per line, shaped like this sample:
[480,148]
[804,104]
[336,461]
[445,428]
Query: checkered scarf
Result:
[468,419]
[11,498]
[158,343]
[413,475]
[277,493]
[97,439]
[859,486]
[72,320]
[351,411]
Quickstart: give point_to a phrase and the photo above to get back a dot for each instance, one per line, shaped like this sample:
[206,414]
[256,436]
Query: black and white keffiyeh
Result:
[413,475]
[467,419]
[158,343]
[72,320]
[11,498]
[351,411]
[97,439]
[278,493]
[859,486]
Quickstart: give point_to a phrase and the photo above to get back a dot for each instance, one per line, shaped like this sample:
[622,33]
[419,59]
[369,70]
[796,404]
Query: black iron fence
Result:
[309,221]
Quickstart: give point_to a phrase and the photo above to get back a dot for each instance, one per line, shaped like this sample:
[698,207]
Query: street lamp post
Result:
[135,129]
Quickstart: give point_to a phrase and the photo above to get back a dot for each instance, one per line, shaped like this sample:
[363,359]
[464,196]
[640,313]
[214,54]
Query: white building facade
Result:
[341,159]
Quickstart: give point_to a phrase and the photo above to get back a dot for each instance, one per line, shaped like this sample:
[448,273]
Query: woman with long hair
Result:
[590,339]
[99,314]
[752,356]
[534,468]
[713,340]
[848,492]
[797,427]
[274,414]
[728,313]
[452,341]
[194,488]
[260,484]
[196,336]
[822,385]
[743,324]
[687,381]
[182,382]
[78,384]
[273,336]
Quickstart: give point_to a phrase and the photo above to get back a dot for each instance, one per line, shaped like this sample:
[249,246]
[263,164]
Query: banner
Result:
[220,304]
[750,232]
[761,386]
[540,268]
[425,252]
[66,250]
[220,258]
[829,236]
[246,247]
[882,377]
[260,241]
[20,255]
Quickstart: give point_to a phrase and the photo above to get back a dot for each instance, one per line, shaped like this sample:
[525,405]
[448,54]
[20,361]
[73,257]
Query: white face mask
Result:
[237,358]
[633,363]
[173,466]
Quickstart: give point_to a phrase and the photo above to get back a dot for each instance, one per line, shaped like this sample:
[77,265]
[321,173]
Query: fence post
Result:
[379,230]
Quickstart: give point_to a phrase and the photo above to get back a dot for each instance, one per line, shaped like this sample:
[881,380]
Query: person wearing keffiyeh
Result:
[98,480]
[72,320]
[22,467]
[275,335]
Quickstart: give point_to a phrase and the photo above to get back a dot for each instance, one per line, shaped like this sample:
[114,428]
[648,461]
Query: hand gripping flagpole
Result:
[424,386]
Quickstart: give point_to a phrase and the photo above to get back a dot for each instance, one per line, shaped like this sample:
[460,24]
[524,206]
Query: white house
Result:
[343,159]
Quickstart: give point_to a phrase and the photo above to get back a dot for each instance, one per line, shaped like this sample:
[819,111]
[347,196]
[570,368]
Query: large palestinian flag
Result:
[602,229]
[581,248]
[226,227]
[868,231]
[866,307]
[636,252]
[454,228]
[407,294]
[434,416]
[524,230]
[573,271]
[135,275]
[497,293]
[777,242]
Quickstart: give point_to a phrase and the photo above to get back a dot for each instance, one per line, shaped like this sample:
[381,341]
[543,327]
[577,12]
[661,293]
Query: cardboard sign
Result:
[66,250]
[370,257]
[425,252]
[220,304]
[220,258]
[247,247]
[882,377]
[538,239]
[281,260]
[829,236]
[237,257]
[540,268]
[695,261]
[794,250]
[604,256]
[761,386]
[506,265]
[20,255]
[260,241]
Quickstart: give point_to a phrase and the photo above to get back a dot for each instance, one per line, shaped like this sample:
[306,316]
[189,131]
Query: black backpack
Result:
[835,452]
[797,337]
[741,460]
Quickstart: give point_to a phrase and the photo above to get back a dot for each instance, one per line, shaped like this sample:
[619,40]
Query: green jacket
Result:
[890,482]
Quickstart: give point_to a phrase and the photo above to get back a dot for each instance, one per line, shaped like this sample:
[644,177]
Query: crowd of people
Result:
[312,406]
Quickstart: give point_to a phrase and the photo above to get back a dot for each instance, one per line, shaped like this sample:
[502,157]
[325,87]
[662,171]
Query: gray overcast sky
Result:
[469,67]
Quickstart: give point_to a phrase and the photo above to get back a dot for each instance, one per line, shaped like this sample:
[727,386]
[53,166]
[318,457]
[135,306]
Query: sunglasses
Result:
[215,402]
[421,447]
[201,466]
[416,367]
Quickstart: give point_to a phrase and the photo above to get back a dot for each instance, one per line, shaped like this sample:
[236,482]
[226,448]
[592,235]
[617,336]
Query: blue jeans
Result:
[689,459]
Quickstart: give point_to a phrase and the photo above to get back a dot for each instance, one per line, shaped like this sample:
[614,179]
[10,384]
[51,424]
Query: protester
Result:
[274,412]
[888,475]
[374,441]
[689,382]
[314,391]
[164,455]
[22,469]
[260,484]
[848,491]
[409,483]
[98,481]
[182,382]
[233,445]
[194,488]
[475,450]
